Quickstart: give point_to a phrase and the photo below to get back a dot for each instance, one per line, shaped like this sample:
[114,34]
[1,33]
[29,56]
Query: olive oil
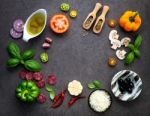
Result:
[36,24]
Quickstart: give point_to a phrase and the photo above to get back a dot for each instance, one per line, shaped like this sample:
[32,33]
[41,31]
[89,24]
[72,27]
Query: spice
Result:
[99,24]
[74,99]
[58,99]
[88,22]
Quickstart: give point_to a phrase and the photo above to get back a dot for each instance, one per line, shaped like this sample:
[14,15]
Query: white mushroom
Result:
[115,44]
[121,54]
[125,41]
[113,35]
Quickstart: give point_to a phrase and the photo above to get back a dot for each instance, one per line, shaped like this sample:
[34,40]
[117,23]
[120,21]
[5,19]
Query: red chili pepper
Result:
[58,100]
[74,99]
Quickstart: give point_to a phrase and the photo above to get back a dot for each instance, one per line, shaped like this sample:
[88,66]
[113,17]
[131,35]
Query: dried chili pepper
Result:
[74,99]
[58,100]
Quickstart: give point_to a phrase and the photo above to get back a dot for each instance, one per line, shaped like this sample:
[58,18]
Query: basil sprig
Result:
[94,85]
[17,58]
[134,50]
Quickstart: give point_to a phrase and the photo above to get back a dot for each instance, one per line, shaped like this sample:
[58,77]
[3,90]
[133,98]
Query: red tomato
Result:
[59,23]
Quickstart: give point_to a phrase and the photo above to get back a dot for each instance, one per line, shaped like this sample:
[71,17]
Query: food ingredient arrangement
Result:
[126,85]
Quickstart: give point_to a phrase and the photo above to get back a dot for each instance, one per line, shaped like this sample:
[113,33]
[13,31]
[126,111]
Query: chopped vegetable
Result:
[130,21]
[48,40]
[46,45]
[14,34]
[59,23]
[27,91]
[22,74]
[51,79]
[74,99]
[37,76]
[64,7]
[75,88]
[121,54]
[44,57]
[41,98]
[18,25]
[73,13]
[29,76]
[41,83]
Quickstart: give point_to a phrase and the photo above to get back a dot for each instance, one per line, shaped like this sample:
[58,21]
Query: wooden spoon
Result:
[100,20]
[91,17]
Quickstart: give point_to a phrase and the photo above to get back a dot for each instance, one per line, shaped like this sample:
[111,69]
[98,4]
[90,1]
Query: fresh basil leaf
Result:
[14,50]
[52,95]
[131,46]
[28,54]
[138,41]
[32,65]
[129,58]
[91,86]
[97,84]
[48,88]
[12,62]
[137,53]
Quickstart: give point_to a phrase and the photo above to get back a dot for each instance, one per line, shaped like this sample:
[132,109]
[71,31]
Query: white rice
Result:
[99,100]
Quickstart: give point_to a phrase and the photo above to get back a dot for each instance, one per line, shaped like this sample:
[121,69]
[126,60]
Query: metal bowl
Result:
[135,79]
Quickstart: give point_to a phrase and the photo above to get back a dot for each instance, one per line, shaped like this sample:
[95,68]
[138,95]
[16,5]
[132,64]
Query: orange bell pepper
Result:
[130,21]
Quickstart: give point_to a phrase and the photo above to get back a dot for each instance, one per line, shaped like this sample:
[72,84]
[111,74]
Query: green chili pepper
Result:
[27,91]
[44,57]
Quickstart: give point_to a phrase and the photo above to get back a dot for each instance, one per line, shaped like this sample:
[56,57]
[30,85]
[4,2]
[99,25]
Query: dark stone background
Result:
[74,56]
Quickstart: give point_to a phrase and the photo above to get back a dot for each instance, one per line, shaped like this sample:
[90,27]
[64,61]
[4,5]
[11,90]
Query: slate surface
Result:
[74,56]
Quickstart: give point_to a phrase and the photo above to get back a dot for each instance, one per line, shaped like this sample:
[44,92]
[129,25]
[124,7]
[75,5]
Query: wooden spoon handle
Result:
[97,7]
[105,10]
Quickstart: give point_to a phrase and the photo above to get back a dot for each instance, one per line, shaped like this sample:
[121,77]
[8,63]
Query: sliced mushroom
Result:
[125,41]
[115,44]
[121,54]
[113,35]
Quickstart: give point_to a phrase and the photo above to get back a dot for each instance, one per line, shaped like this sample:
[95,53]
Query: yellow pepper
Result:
[130,21]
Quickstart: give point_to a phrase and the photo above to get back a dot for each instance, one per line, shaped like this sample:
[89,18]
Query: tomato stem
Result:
[132,18]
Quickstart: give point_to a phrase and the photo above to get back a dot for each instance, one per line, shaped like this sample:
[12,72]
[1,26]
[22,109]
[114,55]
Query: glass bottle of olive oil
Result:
[36,23]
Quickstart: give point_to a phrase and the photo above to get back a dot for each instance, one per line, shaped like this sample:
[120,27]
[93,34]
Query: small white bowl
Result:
[27,36]
[135,79]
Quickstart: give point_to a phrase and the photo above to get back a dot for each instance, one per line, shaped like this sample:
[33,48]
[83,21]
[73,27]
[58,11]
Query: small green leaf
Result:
[131,46]
[137,53]
[12,62]
[52,95]
[138,41]
[97,84]
[91,86]
[129,58]
[48,88]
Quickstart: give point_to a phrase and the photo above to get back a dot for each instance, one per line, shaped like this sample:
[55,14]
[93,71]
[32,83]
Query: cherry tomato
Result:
[59,23]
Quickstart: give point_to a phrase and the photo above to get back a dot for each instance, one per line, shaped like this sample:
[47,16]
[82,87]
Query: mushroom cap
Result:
[125,41]
[113,35]
[115,44]
[121,54]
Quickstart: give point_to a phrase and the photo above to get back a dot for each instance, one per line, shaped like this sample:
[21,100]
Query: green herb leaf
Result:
[14,50]
[52,95]
[131,46]
[138,41]
[91,86]
[13,62]
[137,53]
[48,88]
[129,58]
[28,54]
[97,84]
[32,65]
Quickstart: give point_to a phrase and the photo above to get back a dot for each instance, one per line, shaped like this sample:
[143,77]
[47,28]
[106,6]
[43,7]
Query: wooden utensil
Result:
[100,20]
[91,17]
